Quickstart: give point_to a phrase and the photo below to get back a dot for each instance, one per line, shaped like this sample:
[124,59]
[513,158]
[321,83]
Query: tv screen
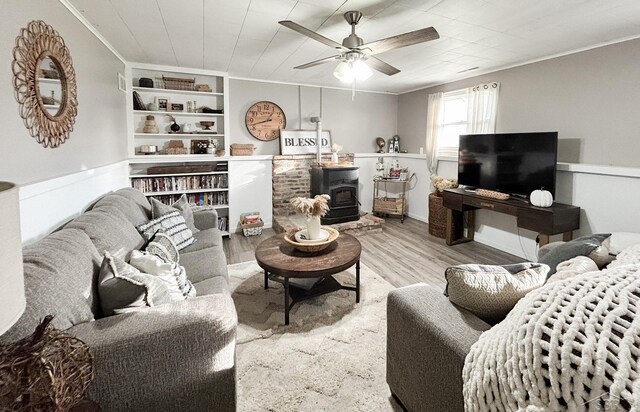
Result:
[514,163]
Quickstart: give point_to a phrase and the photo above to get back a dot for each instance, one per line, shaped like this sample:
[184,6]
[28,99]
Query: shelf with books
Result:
[202,188]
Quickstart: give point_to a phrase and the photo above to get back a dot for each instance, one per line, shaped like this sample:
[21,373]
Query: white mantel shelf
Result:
[400,155]
[356,155]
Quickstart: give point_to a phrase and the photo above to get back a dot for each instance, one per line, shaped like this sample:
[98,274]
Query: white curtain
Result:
[435,116]
[482,106]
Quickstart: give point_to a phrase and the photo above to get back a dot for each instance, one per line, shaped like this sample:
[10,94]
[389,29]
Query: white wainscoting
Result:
[47,205]
[607,195]
[250,183]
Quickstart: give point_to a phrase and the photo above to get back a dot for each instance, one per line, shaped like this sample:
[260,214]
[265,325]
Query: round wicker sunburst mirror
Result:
[45,84]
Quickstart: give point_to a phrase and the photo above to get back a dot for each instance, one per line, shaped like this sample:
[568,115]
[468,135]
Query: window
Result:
[451,114]
[454,122]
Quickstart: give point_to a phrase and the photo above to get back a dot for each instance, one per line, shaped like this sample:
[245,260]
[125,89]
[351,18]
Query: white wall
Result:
[56,184]
[99,135]
[353,124]
[250,188]
[590,98]
[48,205]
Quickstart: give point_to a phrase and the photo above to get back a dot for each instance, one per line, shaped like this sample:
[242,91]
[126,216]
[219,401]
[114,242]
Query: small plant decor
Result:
[316,206]
[440,183]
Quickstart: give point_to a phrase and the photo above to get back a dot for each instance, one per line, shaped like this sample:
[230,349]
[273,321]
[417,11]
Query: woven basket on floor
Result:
[46,371]
[437,216]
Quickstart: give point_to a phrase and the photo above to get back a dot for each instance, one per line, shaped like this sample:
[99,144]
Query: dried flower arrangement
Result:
[440,183]
[335,148]
[311,207]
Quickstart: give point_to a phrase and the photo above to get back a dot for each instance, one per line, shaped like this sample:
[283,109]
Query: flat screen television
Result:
[514,163]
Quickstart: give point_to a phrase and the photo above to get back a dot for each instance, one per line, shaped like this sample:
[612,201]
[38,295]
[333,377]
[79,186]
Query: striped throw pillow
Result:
[173,225]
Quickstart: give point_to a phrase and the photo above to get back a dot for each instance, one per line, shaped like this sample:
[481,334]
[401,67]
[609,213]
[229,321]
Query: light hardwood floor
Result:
[403,254]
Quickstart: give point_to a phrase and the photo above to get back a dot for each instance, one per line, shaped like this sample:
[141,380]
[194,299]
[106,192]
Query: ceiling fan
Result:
[354,51]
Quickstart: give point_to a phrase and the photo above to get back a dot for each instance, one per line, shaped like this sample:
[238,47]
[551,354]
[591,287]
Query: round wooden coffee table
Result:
[307,275]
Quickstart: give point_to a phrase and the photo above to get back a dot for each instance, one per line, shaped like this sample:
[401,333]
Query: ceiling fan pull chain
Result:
[353,89]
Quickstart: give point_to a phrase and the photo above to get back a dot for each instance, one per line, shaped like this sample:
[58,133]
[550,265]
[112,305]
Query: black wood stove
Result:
[341,183]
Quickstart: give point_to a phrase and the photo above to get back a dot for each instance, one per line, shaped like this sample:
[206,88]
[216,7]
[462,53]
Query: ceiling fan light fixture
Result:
[344,72]
[361,70]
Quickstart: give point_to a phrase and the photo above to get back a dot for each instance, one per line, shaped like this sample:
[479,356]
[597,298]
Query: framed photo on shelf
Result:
[163,103]
[303,141]
[177,107]
[199,146]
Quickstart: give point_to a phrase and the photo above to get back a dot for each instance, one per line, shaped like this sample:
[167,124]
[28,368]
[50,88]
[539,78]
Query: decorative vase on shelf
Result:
[175,127]
[313,227]
[334,157]
[152,107]
[211,148]
[150,125]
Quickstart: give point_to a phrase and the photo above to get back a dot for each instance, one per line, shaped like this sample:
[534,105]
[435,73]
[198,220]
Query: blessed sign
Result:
[303,141]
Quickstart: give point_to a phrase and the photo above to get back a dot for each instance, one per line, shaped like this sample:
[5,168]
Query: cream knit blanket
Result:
[570,345]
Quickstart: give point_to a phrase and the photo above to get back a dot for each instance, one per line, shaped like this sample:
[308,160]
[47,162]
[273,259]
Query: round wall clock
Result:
[264,121]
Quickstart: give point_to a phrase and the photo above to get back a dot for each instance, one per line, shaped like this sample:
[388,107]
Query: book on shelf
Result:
[223,223]
[138,104]
[197,199]
[174,183]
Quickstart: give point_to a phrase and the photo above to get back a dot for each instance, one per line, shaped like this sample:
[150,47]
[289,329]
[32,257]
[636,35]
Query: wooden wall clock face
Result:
[264,121]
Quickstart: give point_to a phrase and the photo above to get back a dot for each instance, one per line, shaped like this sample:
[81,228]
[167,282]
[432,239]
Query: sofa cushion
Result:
[205,239]
[132,211]
[181,205]
[491,291]
[215,284]
[109,230]
[123,288]
[620,241]
[581,246]
[173,225]
[629,256]
[137,197]
[60,273]
[204,263]
[173,275]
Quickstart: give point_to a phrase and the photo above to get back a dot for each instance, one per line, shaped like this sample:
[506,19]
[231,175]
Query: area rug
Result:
[331,357]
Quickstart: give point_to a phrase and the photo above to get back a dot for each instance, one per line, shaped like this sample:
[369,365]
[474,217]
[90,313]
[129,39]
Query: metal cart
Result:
[385,205]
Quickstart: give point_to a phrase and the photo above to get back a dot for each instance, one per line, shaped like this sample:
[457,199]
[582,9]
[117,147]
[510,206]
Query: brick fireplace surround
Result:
[292,178]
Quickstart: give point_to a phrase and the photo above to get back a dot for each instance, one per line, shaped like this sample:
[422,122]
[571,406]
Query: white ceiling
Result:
[243,37]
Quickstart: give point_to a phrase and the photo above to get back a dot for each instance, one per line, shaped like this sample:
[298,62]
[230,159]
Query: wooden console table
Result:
[461,205]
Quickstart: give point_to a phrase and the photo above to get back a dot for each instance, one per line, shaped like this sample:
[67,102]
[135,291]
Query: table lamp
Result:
[12,275]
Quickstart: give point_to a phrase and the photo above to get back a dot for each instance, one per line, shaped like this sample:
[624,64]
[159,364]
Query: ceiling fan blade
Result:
[311,34]
[318,62]
[401,40]
[381,66]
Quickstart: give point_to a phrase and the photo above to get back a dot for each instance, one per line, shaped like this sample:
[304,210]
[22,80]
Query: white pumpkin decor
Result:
[541,198]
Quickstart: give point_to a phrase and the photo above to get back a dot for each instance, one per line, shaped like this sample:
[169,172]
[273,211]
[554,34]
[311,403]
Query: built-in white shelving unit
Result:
[203,188]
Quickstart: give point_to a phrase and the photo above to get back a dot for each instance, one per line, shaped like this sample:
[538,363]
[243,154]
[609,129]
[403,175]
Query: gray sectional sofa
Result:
[428,339]
[177,356]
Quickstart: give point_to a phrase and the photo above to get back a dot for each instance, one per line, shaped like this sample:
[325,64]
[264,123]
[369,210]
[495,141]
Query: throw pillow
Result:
[123,288]
[491,291]
[181,205]
[581,246]
[173,275]
[573,267]
[174,226]
[162,245]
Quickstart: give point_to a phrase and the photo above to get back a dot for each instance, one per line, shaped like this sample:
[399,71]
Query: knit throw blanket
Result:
[570,345]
